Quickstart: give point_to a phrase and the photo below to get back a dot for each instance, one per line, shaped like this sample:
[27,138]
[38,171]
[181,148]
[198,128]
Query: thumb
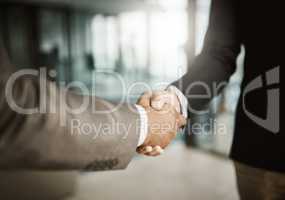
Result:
[144,100]
[158,100]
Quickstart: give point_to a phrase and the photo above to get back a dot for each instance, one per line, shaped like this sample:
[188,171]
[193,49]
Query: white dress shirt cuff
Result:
[183,100]
[143,124]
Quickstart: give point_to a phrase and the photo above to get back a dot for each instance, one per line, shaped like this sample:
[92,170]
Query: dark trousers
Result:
[258,184]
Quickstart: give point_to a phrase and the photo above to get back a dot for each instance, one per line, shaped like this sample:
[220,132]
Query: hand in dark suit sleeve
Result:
[217,61]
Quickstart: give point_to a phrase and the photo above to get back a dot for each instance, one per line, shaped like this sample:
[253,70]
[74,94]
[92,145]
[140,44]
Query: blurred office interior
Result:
[149,41]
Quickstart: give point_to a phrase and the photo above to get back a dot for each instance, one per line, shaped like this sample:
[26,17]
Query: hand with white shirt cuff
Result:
[161,118]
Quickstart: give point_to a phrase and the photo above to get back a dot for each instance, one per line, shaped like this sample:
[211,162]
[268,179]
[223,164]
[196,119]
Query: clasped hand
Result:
[164,120]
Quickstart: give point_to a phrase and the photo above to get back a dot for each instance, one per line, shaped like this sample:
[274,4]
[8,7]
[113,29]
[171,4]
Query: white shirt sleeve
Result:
[183,100]
[143,124]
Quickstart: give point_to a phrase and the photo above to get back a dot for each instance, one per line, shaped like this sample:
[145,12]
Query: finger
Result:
[144,100]
[148,149]
[157,150]
[145,149]
[167,107]
[153,154]
[157,104]
[180,120]
[140,149]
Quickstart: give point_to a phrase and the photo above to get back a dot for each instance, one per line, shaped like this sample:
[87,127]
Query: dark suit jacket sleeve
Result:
[58,139]
[217,61]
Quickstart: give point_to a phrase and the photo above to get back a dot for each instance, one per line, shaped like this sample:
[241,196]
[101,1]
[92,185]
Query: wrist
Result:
[181,99]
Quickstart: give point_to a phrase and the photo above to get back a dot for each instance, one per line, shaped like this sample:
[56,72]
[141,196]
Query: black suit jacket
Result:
[257,25]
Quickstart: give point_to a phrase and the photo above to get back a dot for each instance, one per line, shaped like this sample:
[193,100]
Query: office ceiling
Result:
[95,5]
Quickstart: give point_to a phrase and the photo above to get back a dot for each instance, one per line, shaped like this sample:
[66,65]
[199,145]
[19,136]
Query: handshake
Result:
[164,119]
